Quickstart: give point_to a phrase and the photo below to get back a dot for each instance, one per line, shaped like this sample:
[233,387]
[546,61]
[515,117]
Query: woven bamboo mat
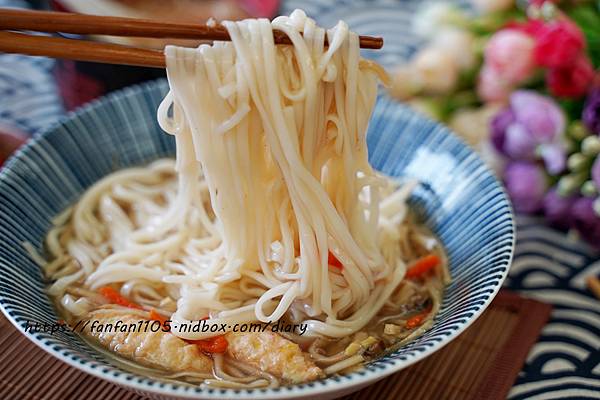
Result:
[482,363]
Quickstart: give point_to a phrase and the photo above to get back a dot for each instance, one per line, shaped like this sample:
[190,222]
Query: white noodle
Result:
[272,176]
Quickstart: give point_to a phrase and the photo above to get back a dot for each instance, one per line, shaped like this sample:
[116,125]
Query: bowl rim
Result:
[329,386]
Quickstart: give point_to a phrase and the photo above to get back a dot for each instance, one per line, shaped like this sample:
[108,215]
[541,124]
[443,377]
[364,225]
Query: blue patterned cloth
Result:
[551,267]
[29,99]
[548,266]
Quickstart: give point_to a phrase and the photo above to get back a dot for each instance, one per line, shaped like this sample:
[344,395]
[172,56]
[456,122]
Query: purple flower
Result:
[518,143]
[557,209]
[532,120]
[526,184]
[596,172]
[499,124]
[585,220]
[555,157]
[540,115]
[591,111]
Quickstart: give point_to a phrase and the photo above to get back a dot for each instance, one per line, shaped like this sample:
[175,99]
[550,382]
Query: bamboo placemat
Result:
[482,363]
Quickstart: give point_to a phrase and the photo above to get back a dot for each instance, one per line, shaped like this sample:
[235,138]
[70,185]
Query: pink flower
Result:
[530,27]
[510,53]
[558,44]
[539,3]
[261,8]
[572,81]
[491,87]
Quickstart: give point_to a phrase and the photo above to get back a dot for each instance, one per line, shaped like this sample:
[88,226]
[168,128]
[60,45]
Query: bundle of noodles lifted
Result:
[269,252]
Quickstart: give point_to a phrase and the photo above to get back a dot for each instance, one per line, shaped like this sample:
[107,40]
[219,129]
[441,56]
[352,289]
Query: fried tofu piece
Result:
[273,354]
[159,349]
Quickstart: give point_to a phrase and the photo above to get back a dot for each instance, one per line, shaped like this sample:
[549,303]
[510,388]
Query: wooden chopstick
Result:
[49,21]
[80,50]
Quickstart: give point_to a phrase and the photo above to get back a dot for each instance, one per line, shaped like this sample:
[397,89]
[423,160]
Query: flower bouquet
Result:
[519,81]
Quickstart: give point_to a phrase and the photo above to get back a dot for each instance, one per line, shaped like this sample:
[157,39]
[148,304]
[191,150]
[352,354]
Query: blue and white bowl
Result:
[459,199]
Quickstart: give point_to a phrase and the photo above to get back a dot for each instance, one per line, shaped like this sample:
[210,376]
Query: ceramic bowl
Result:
[458,198]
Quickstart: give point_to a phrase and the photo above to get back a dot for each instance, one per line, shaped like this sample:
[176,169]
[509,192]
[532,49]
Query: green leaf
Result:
[573,108]
[588,18]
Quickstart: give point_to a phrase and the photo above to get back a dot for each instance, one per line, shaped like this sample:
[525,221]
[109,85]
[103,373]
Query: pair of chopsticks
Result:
[83,50]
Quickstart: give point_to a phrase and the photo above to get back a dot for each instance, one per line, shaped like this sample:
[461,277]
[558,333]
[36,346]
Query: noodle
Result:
[296,172]
[271,183]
